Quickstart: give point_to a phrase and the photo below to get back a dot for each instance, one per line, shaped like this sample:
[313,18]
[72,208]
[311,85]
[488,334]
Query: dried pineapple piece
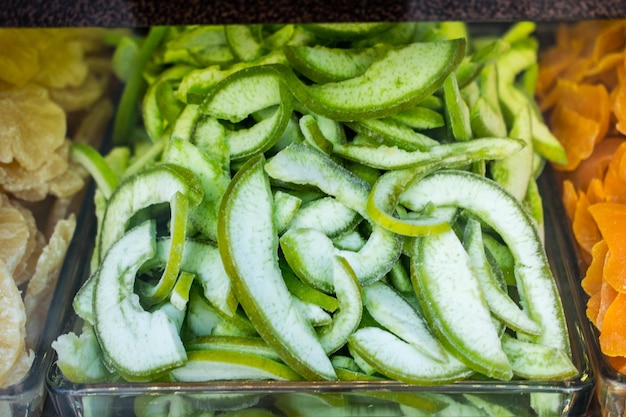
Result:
[14,236]
[19,61]
[12,322]
[33,126]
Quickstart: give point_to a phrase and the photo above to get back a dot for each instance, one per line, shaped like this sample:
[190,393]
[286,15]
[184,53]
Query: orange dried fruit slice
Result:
[33,126]
[607,295]
[12,321]
[604,69]
[577,71]
[584,226]
[613,333]
[595,191]
[619,100]
[577,134]
[596,165]
[615,177]
[553,62]
[591,101]
[593,308]
[570,199]
[611,39]
[592,282]
[618,363]
[611,221]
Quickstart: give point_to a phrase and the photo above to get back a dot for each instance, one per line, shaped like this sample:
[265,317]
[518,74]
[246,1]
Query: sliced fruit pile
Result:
[53,92]
[582,86]
[322,202]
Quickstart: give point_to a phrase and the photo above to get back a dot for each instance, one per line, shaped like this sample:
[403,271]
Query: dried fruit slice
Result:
[12,243]
[12,321]
[611,219]
[34,126]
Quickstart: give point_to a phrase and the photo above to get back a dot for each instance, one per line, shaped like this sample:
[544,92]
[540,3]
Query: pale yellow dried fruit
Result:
[19,61]
[30,263]
[35,185]
[14,236]
[31,241]
[61,61]
[20,368]
[12,322]
[32,126]
[47,271]
[82,96]
[92,127]
[67,184]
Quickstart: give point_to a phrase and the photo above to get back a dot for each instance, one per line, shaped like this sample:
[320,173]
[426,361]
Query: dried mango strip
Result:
[618,363]
[610,39]
[593,308]
[590,101]
[595,191]
[611,221]
[592,282]
[619,99]
[584,226]
[607,295]
[570,199]
[596,165]
[613,333]
[604,71]
[577,133]
[615,177]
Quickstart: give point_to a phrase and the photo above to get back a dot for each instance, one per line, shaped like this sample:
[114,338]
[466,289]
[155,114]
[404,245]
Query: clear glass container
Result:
[610,384]
[570,397]
[27,398]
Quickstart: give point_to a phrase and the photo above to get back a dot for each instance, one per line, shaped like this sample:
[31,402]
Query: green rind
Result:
[151,186]
[248,244]
[399,80]
[501,211]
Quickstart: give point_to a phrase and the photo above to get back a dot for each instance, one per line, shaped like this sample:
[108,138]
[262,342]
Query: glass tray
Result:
[259,398]
[610,384]
[27,398]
